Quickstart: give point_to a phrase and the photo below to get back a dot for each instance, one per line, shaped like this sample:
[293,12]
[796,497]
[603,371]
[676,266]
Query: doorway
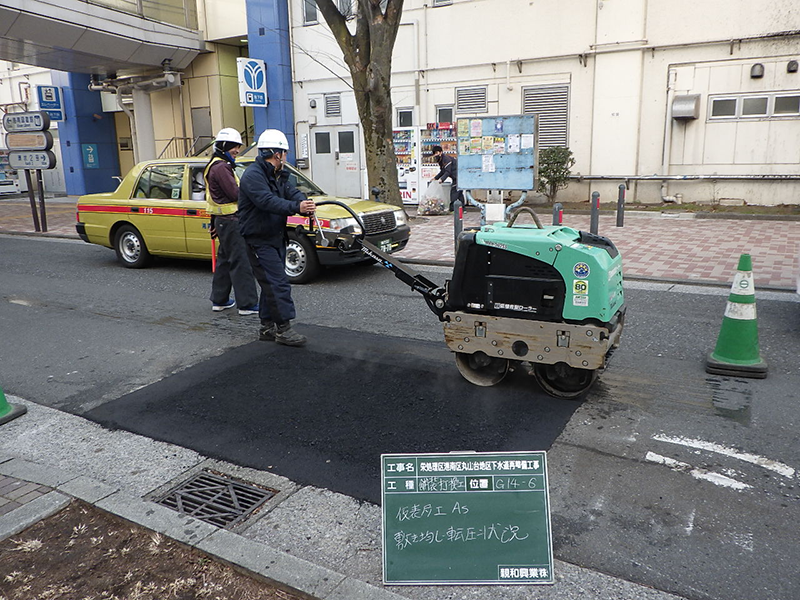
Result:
[336,160]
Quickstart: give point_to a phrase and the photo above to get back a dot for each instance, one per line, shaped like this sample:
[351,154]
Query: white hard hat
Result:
[273,138]
[229,134]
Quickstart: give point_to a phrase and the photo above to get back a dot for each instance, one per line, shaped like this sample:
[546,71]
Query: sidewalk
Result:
[680,247]
[318,542]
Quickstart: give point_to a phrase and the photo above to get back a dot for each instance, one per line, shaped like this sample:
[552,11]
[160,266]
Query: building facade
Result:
[687,101]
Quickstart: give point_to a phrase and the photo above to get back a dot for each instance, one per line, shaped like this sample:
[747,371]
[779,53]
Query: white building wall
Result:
[623,60]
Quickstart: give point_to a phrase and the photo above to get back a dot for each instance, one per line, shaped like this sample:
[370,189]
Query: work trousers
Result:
[233,265]
[455,194]
[269,267]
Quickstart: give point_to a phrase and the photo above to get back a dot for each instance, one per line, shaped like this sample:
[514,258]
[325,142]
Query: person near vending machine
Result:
[232,269]
[448,167]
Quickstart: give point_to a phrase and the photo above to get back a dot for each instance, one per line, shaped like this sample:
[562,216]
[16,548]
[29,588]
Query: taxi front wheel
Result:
[302,263]
[130,247]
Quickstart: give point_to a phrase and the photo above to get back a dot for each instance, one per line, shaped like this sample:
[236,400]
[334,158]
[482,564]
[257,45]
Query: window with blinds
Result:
[333,105]
[551,105]
[472,100]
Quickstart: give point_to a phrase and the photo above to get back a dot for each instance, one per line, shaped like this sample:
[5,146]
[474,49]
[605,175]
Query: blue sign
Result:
[252,82]
[91,159]
[50,101]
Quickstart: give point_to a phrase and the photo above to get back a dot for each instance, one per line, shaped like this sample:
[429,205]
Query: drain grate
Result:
[215,499]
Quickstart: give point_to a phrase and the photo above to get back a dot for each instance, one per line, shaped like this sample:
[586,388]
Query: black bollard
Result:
[621,205]
[594,223]
[558,213]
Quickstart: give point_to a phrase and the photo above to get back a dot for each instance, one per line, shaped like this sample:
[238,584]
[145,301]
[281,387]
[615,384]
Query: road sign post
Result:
[466,518]
[29,143]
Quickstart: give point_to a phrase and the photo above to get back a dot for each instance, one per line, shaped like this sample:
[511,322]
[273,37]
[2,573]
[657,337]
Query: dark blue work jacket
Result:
[266,198]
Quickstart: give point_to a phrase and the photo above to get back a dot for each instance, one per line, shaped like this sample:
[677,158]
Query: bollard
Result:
[458,222]
[595,218]
[621,205]
[558,213]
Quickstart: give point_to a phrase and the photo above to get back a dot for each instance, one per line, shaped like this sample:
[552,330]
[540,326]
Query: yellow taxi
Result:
[159,210]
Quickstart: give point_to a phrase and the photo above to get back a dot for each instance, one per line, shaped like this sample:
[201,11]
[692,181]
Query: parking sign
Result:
[252,82]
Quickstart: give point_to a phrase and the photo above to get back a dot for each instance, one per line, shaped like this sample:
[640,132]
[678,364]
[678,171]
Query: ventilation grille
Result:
[217,500]
[378,222]
[471,100]
[551,105]
[333,105]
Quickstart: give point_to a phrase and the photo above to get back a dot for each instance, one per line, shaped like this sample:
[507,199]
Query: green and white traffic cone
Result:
[737,353]
[9,411]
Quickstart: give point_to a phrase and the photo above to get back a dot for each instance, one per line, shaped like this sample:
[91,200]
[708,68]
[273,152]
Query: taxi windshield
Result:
[300,181]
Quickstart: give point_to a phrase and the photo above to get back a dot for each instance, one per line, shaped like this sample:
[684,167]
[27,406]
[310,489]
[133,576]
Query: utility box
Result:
[686,107]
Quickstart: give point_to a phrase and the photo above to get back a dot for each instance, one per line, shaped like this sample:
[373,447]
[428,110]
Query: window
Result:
[550,104]
[160,182]
[472,100]
[442,2]
[444,114]
[723,107]
[754,107]
[310,12]
[347,8]
[333,105]
[787,105]
[347,142]
[322,139]
[763,106]
[405,117]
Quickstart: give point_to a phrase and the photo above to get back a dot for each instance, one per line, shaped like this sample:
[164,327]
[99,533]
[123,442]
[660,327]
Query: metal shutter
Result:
[471,100]
[333,105]
[551,104]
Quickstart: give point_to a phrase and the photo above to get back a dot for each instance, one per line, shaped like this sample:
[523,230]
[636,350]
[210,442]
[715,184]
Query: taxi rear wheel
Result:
[130,247]
[302,263]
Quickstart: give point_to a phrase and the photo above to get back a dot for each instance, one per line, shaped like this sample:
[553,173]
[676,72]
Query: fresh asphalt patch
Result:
[322,415]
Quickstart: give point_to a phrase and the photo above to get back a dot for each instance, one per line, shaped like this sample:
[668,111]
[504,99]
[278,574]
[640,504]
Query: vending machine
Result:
[8,175]
[406,149]
[413,148]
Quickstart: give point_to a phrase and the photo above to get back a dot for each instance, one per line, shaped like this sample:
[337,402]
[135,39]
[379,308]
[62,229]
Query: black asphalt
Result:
[322,415]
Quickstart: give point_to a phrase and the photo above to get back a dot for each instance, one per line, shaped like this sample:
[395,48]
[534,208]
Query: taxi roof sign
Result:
[26,121]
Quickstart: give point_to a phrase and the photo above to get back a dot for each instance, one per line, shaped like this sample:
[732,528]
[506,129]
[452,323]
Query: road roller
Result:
[544,299]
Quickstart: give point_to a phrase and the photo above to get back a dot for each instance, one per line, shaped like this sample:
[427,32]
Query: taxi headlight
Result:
[400,217]
[349,222]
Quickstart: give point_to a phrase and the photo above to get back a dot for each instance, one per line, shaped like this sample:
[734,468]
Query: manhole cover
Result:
[217,500]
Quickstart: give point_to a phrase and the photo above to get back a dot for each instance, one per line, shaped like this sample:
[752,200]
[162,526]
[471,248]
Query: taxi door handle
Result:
[191,211]
[134,209]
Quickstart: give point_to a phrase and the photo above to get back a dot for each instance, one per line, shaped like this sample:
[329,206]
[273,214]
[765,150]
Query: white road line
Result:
[697,473]
[761,461]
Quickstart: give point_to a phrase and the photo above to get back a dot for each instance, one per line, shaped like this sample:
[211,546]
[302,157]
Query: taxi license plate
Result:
[385,245]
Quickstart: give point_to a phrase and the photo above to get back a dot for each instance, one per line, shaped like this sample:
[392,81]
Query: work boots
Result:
[281,333]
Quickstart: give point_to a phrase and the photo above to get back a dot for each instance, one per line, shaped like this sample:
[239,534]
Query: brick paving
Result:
[653,245]
[16,492]
[656,246]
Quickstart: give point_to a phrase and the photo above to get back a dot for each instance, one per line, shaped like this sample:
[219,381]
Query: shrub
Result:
[554,170]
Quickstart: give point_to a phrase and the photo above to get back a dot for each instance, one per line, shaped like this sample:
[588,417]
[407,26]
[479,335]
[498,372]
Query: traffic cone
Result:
[737,353]
[9,411]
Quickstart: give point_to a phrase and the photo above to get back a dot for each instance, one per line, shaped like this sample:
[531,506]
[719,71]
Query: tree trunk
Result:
[368,54]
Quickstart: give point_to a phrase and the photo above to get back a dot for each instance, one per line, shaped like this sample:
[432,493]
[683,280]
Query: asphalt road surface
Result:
[664,475]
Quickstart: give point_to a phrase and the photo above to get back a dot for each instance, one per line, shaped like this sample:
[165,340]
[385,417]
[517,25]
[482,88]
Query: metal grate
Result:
[217,500]
[333,105]
[472,100]
[378,222]
[550,104]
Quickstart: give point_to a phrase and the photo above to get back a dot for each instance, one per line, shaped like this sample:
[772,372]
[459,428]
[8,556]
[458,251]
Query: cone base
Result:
[757,370]
[16,410]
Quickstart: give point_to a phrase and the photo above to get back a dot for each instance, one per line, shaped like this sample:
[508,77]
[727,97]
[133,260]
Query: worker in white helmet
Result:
[222,195]
[266,198]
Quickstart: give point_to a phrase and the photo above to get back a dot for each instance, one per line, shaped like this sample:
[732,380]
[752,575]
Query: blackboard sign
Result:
[497,153]
[466,518]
